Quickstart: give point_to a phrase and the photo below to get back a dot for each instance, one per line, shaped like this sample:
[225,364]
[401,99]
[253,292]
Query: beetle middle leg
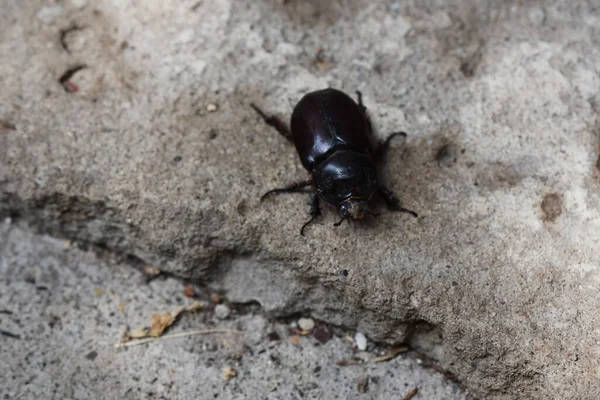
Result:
[315,211]
[360,102]
[275,122]
[363,108]
[393,203]
[294,187]
[382,147]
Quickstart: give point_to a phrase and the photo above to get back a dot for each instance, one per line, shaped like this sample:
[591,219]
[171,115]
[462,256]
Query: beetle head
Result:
[353,209]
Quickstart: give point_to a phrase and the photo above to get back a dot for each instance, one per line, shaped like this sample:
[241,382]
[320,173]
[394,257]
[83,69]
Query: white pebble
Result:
[222,311]
[361,341]
[306,324]
[50,13]
[79,3]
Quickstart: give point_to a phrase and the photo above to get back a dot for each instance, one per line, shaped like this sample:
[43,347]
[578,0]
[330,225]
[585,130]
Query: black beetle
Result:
[332,135]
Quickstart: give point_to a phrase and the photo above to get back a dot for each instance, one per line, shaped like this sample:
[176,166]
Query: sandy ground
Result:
[63,309]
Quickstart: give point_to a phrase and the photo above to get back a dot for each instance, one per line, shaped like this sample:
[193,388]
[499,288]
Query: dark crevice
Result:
[63,36]
[67,75]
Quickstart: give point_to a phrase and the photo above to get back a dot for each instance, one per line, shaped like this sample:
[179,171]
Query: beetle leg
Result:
[294,187]
[275,122]
[382,148]
[393,203]
[360,103]
[315,211]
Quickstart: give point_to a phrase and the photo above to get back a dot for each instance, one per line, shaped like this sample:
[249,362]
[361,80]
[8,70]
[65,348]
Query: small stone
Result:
[50,13]
[295,339]
[8,220]
[229,373]
[188,291]
[306,324]
[361,341]
[211,107]
[323,334]
[363,385]
[79,3]
[222,311]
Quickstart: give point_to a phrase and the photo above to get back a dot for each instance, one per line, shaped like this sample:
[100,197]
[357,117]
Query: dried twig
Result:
[176,335]
[411,394]
[391,354]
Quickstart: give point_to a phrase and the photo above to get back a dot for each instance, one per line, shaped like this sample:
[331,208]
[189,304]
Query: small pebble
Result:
[211,107]
[361,341]
[8,220]
[50,13]
[306,324]
[322,333]
[229,373]
[222,311]
[79,3]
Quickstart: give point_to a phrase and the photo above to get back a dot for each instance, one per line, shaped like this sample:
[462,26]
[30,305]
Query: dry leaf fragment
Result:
[98,292]
[189,291]
[122,306]
[393,353]
[300,332]
[150,270]
[194,307]
[229,373]
[411,394]
[138,333]
[295,339]
[160,322]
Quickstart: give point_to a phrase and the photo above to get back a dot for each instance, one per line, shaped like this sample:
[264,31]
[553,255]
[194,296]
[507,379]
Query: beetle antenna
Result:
[339,222]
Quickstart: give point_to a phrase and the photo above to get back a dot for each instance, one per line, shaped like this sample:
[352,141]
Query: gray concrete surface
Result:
[497,279]
[66,306]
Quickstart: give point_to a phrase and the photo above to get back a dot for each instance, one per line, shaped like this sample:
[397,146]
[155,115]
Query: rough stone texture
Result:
[69,308]
[496,280]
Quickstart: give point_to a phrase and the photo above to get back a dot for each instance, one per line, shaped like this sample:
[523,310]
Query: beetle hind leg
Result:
[294,187]
[274,121]
[393,204]
[315,211]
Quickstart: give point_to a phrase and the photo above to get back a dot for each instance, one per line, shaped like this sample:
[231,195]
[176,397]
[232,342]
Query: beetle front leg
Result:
[393,203]
[294,187]
[275,122]
[383,147]
[315,211]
